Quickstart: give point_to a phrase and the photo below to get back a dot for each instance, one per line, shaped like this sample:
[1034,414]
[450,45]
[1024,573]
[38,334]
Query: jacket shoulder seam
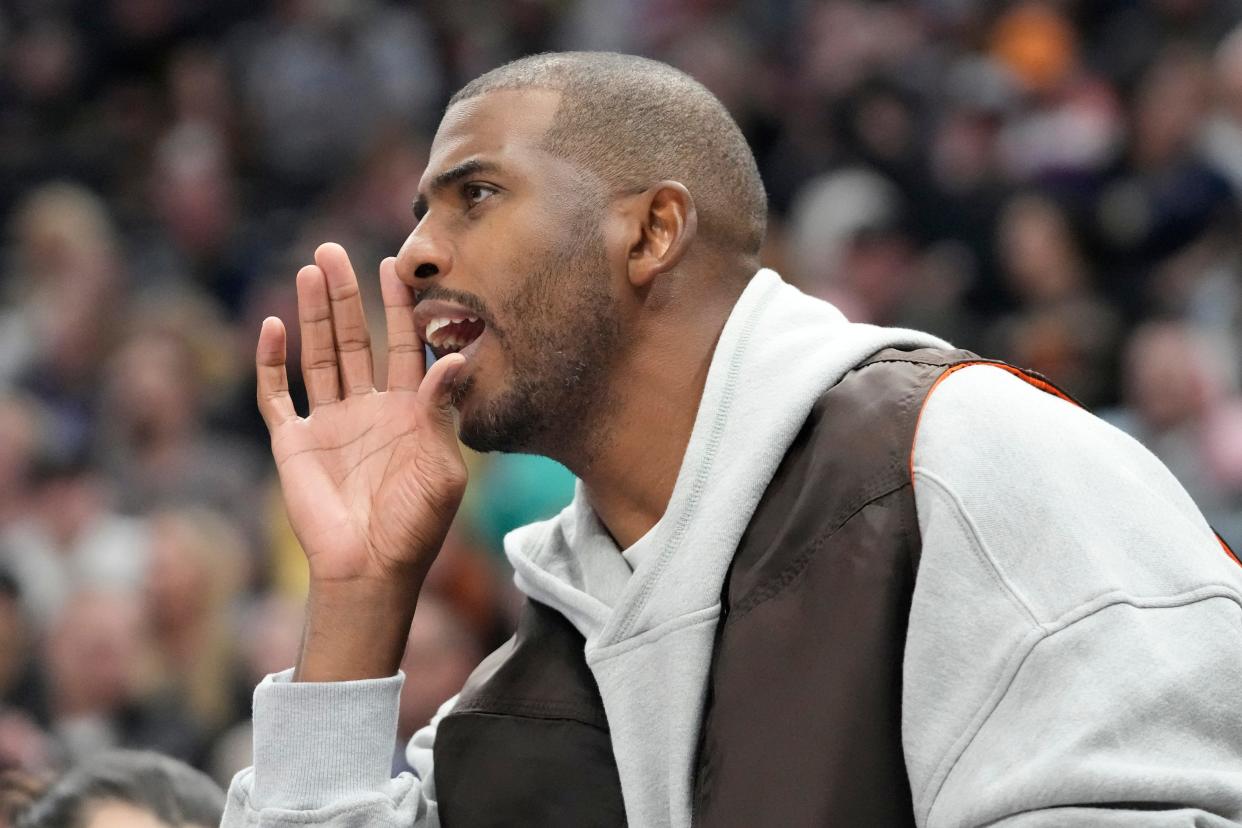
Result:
[966,523]
[1021,653]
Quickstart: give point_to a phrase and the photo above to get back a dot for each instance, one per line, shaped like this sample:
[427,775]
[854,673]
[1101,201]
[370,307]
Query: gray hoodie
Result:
[1030,616]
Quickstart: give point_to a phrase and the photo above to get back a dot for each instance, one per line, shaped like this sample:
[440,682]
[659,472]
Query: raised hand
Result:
[371,479]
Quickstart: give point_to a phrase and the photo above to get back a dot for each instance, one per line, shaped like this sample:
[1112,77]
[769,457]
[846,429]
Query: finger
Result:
[275,405]
[323,383]
[349,321]
[406,357]
[434,406]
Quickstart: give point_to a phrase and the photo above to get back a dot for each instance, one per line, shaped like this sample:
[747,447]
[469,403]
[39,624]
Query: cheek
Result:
[531,277]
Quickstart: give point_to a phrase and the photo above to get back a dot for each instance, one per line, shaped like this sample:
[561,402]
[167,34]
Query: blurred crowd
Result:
[1053,183]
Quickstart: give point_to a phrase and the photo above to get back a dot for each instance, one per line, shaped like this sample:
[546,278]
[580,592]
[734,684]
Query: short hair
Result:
[168,789]
[635,121]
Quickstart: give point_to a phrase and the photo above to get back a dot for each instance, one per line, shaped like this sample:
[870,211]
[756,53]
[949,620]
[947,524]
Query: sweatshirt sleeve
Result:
[323,754]
[1075,639]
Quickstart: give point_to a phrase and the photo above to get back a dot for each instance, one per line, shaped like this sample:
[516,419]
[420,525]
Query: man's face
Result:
[510,269]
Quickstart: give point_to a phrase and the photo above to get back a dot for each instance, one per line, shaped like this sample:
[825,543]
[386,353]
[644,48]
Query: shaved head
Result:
[633,122]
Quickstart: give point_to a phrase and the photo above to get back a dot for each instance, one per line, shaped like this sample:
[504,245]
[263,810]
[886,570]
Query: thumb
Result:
[434,405]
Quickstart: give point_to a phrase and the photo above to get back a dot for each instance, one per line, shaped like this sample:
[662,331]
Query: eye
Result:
[475,194]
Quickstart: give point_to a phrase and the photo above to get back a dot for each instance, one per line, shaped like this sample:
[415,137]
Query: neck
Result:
[629,477]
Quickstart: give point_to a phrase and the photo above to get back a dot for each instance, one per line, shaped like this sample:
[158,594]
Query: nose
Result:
[421,258]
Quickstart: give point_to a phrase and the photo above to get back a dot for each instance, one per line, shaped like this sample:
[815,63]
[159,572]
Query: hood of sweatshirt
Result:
[649,631]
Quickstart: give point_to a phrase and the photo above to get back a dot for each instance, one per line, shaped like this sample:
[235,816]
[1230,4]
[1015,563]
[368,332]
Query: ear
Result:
[663,223]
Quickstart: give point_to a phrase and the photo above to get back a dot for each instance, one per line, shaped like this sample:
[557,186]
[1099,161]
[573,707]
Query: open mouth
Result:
[452,334]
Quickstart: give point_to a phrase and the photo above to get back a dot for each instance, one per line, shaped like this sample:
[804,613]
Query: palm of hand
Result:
[360,485]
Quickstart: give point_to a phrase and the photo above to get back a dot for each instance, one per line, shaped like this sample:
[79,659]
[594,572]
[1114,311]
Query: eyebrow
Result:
[451,176]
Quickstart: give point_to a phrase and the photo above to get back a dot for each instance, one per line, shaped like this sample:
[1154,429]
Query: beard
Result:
[564,341]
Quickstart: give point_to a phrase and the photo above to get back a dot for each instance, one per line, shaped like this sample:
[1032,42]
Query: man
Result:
[725,626]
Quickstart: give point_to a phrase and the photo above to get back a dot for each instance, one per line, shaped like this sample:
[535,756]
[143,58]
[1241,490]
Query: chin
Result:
[483,440]
[507,424]
[484,435]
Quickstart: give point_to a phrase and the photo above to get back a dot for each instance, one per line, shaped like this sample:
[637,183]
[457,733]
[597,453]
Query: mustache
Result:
[468,301]
[443,294]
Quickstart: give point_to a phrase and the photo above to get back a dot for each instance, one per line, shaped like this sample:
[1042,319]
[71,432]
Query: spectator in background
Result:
[321,80]
[1071,122]
[1062,328]
[197,568]
[1182,402]
[103,691]
[375,203]
[840,222]
[66,286]
[967,183]
[127,789]
[194,194]
[1162,196]
[154,438]
[71,539]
